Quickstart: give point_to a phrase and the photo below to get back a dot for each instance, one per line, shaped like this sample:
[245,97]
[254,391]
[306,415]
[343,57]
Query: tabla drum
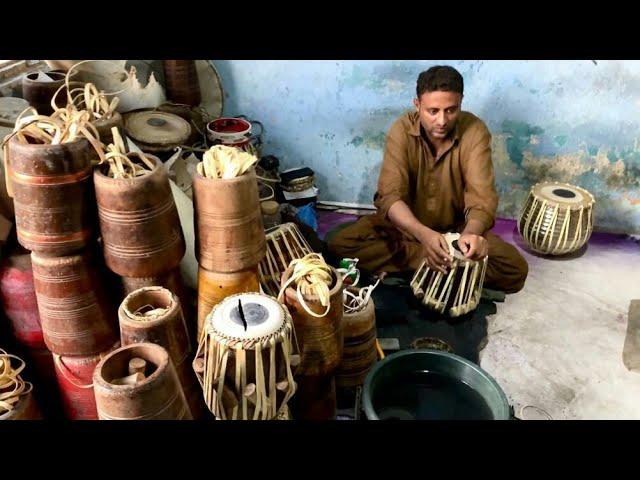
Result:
[284,244]
[244,359]
[557,218]
[456,292]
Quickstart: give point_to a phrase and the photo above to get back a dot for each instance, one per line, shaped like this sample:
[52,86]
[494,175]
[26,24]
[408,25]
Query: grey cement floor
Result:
[558,344]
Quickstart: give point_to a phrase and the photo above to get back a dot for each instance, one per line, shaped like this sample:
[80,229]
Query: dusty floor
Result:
[556,345]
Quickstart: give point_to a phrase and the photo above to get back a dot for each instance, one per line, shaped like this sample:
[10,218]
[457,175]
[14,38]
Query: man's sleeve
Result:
[393,183]
[480,196]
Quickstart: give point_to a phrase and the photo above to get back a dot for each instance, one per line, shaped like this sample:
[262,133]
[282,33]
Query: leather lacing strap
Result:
[215,348]
[12,387]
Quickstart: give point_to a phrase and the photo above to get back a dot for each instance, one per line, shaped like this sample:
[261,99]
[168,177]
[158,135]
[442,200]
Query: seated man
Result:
[436,177]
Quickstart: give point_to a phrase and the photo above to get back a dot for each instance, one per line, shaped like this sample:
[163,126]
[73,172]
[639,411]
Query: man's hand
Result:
[436,250]
[474,247]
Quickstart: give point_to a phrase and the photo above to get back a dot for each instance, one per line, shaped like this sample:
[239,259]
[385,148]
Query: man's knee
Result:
[516,269]
[521,270]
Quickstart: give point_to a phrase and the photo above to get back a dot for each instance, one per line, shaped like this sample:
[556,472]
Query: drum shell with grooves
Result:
[168,330]
[320,339]
[77,317]
[53,195]
[359,354]
[139,221]
[158,397]
[228,223]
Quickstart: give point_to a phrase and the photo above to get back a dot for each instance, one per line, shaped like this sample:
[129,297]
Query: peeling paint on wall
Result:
[570,121]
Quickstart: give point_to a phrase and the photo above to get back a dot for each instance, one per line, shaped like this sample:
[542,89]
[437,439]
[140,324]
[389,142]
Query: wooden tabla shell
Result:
[359,351]
[246,374]
[284,244]
[458,292]
[557,218]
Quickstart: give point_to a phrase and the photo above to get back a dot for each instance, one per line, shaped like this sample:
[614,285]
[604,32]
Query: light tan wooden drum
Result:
[455,293]
[284,244]
[244,360]
[557,218]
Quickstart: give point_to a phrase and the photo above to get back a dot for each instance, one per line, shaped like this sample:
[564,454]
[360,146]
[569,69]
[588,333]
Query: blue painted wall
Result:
[571,121]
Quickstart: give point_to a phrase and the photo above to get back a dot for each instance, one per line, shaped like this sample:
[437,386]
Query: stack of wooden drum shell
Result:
[54,202]
[320,339]
[154,315]
[77,323]
[230,238]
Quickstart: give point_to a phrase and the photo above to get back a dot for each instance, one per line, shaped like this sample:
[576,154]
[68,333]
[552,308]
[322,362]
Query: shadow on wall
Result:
[370,183]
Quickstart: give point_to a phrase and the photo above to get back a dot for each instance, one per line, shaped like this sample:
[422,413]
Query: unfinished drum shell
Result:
[39,92]
[228,223]
[53,195]
[359,353]
[158,397]
[139,221]
[76,316]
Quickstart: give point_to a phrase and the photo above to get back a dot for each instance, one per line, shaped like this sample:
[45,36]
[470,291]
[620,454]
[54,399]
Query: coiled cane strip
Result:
[12,387]
[312,276]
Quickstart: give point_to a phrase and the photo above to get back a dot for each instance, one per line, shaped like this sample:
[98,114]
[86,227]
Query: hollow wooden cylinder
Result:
[181,82]
[228,223]
[53,195]
[76,316]
[359,353]
[39,93]
[139,222]
[158,397]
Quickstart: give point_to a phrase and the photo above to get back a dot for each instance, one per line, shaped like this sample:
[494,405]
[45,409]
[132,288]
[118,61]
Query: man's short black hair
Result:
[440,78]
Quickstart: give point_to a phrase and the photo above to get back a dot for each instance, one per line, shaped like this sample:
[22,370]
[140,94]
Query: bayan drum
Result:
[456,292]
[557,218]
[244,359]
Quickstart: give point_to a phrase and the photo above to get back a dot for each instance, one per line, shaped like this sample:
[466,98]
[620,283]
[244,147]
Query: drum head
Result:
[454,249]
[563,194]
[263,316]
[157,128]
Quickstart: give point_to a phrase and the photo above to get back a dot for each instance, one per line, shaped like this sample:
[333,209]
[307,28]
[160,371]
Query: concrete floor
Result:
[556,345]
